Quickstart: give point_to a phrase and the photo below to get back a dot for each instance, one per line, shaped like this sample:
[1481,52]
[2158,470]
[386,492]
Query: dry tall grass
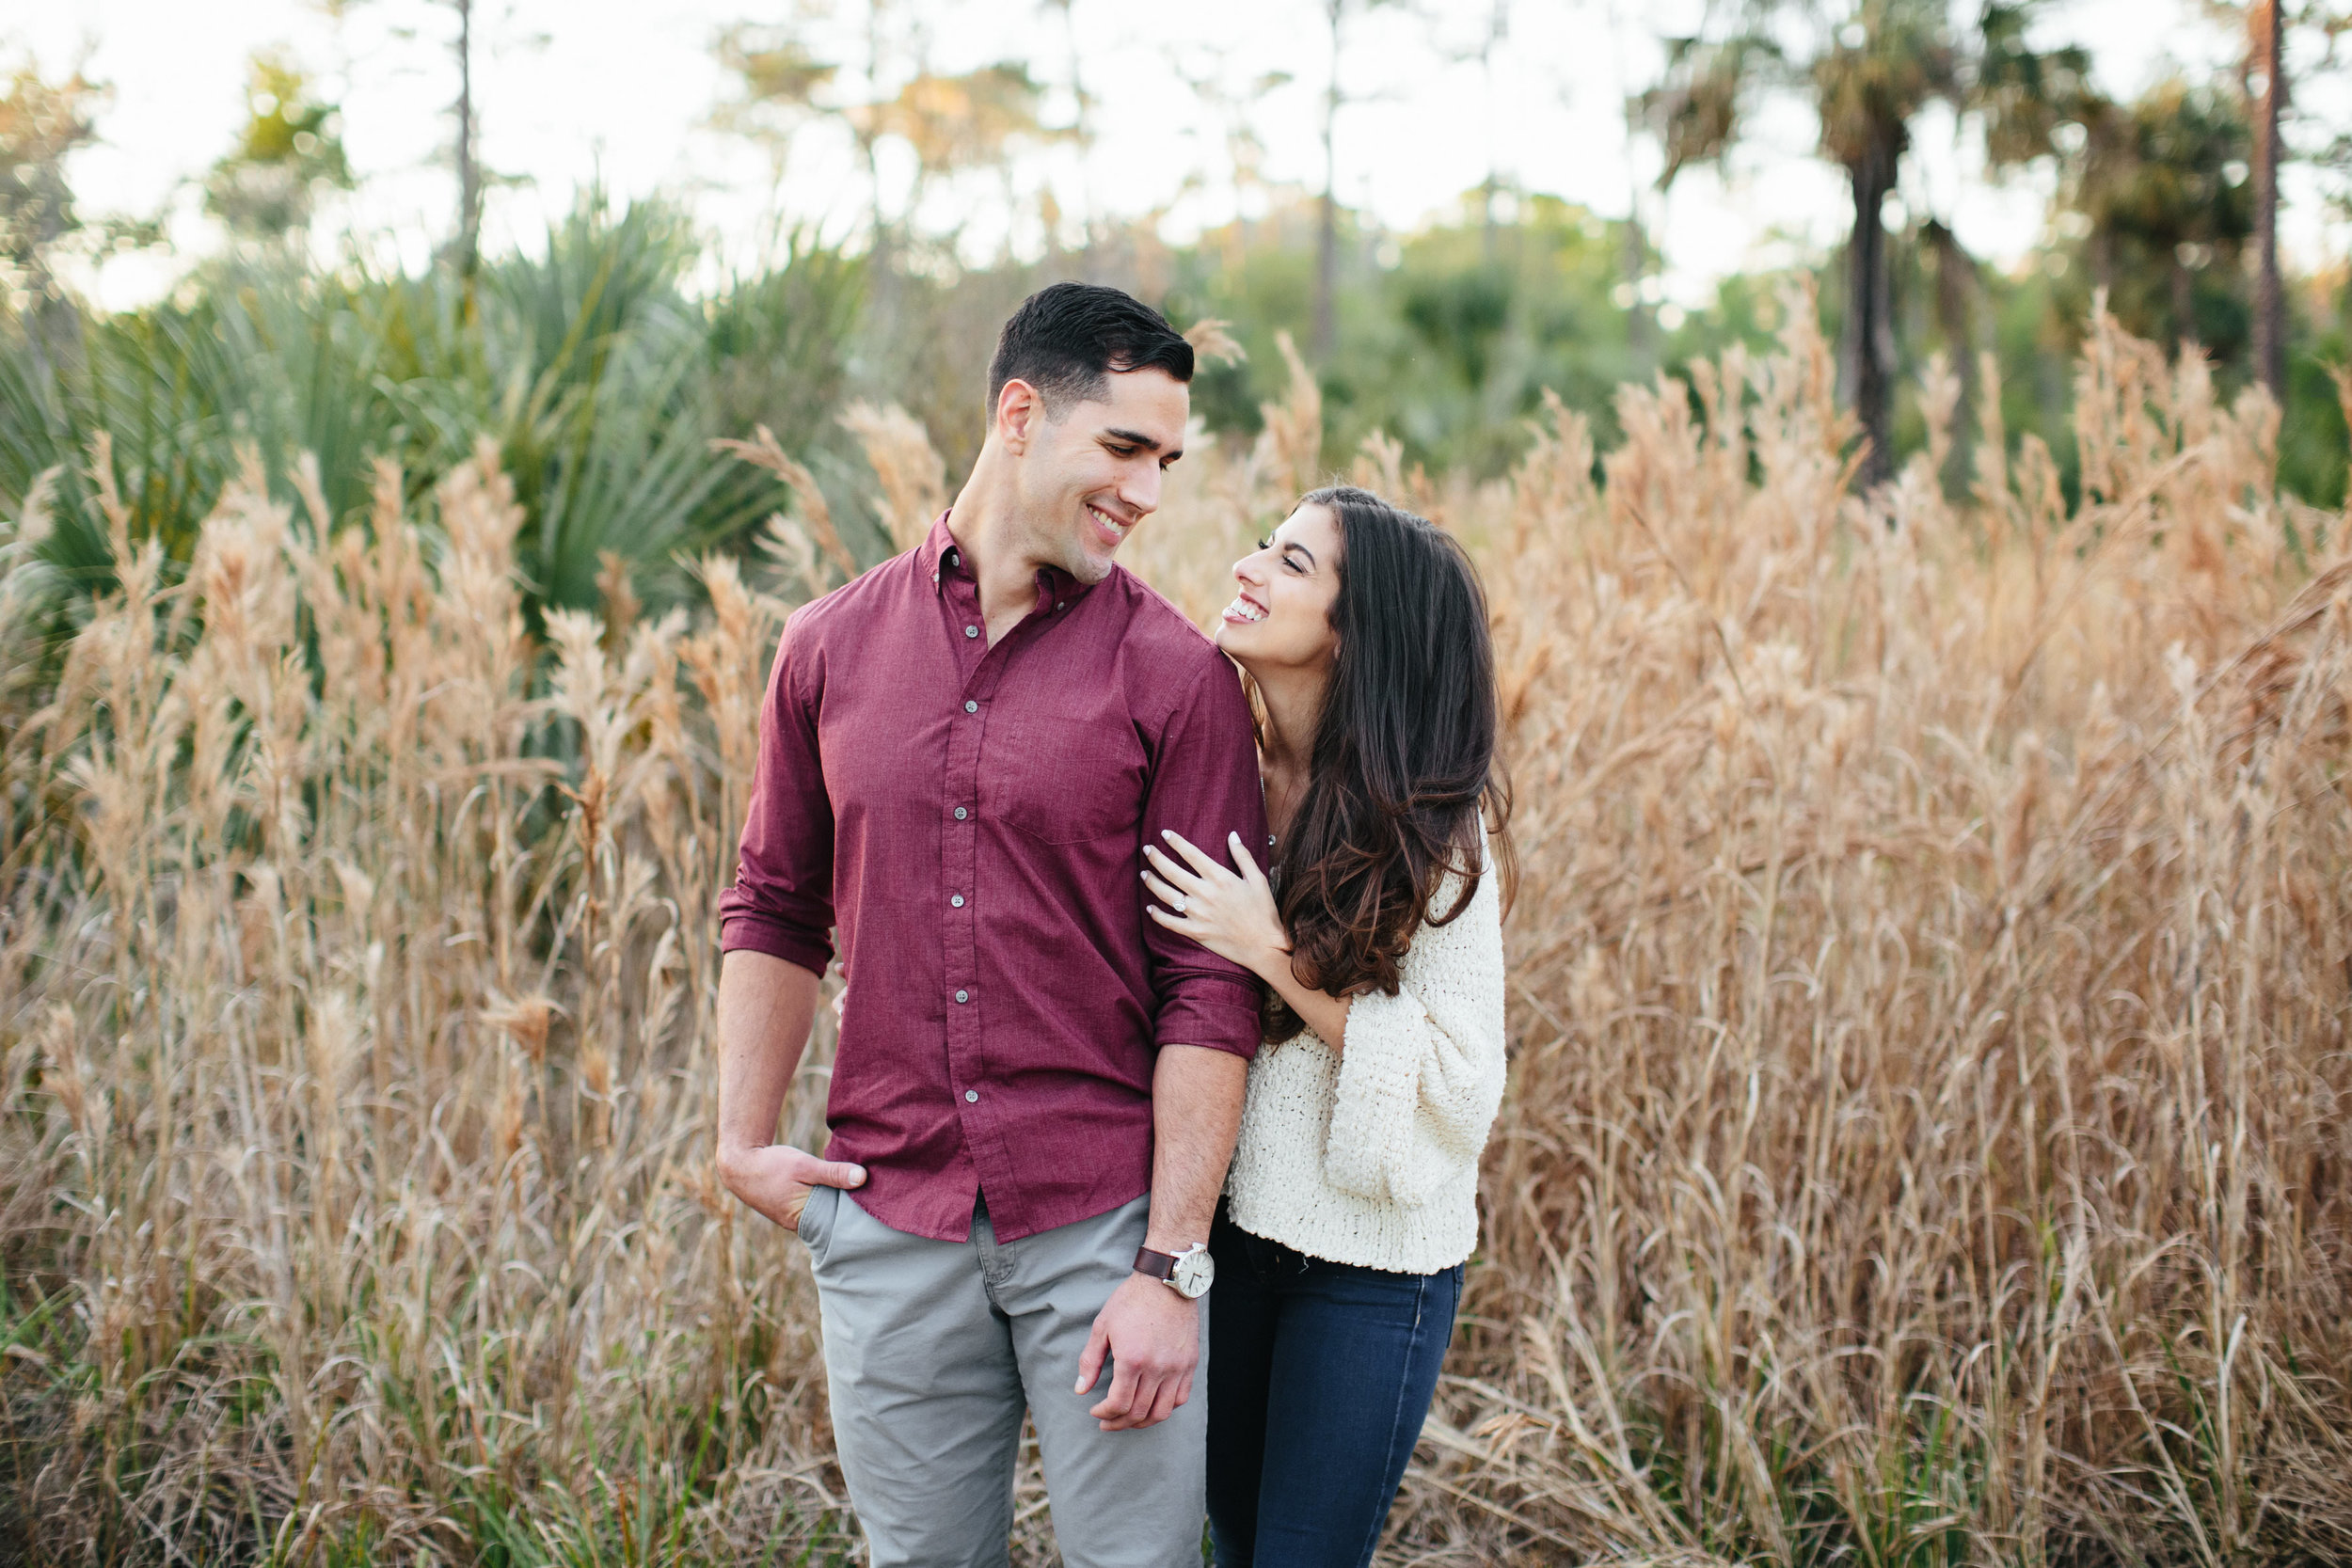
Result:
[1929,985]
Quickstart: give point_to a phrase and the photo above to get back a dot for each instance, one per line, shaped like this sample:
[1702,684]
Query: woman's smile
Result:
[1281,615]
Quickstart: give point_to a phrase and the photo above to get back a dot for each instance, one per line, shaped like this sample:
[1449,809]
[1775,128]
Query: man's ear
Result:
[1020,410]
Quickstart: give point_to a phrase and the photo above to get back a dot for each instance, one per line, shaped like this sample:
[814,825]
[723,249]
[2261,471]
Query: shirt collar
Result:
[940,555]
[943,559]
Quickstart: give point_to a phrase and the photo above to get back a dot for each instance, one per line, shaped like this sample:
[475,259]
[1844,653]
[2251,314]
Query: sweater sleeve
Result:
[1421,1072]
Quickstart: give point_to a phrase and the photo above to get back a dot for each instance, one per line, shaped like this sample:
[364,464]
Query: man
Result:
[1037,1088]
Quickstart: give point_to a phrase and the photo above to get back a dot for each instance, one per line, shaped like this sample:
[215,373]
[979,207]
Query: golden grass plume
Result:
[1927,1139]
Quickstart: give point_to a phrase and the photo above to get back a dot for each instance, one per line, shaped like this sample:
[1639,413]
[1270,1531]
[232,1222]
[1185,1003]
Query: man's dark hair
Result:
[1068,337]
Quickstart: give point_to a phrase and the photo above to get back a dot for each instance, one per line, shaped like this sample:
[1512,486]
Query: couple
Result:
[1084,979]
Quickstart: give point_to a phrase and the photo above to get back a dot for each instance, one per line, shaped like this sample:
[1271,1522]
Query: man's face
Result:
[1091,474]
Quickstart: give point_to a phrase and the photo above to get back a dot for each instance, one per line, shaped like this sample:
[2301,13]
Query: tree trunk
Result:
[1327,226]
[881,275]
[1955,316]
[2270,346]
[1498,32]
[1640,344]
[469,168]
[1083,125]
[1870,345]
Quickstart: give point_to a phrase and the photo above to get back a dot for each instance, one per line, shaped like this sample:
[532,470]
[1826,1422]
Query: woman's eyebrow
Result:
[1294,544]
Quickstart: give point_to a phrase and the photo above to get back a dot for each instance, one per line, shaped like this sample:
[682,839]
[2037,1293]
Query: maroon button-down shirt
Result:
[973,818]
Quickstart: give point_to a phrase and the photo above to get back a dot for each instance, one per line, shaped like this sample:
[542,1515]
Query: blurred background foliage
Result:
[604,360]
[600,380]
[600,363]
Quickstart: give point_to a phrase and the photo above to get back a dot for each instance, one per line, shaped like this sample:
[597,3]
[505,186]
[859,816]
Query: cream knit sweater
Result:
[1369,1155]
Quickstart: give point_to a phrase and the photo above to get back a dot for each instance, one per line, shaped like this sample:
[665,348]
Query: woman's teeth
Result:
[1242,610]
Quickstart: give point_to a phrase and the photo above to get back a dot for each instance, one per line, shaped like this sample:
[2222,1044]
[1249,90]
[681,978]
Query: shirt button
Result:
[970,631]
[971,706]
[971,1095]
[956,902]
[963,996]
[962,813]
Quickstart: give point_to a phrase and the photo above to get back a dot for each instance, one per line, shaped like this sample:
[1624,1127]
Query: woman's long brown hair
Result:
[1403,765]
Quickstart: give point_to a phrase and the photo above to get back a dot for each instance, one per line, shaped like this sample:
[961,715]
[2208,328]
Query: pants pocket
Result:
[817,1217]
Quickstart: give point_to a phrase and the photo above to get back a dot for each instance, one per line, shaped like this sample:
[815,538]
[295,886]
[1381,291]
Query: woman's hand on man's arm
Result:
[1231,913]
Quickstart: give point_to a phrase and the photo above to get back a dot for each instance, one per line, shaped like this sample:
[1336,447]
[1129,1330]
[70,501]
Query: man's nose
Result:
[1142,490]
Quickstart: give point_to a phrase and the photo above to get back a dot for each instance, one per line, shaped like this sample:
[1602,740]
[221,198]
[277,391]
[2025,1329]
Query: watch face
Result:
[1193,1272]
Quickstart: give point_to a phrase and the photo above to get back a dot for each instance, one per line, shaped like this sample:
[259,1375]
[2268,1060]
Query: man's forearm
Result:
[1195,1115]
[766,1004]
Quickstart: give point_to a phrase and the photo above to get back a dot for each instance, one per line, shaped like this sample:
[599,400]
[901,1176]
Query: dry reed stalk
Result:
[1926,1136]
[914,478]
[816,529]
[1213,343]
[373,1253]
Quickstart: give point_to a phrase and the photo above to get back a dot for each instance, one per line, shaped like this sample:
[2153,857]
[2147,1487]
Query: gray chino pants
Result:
[933,1350]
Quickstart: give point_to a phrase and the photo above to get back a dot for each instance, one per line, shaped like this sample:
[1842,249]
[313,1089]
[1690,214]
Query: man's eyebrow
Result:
[1137,438]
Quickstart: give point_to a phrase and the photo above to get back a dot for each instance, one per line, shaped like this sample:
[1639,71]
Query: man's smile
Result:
[1112,530]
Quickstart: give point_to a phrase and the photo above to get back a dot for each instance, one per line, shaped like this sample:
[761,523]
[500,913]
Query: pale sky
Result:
[576,90]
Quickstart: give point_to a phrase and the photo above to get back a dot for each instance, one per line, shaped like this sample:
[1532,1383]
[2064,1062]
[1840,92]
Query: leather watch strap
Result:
[1159,1265]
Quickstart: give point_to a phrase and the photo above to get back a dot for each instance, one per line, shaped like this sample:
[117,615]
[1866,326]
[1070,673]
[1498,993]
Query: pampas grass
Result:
[914,480]
[1926,1142]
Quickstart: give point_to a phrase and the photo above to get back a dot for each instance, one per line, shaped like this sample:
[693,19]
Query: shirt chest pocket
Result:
[1065,781]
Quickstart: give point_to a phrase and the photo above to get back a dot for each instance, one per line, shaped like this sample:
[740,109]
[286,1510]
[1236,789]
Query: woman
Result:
[1354,1195]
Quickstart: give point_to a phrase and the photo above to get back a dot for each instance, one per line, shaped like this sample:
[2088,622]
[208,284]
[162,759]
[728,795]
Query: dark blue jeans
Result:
[1319,1376]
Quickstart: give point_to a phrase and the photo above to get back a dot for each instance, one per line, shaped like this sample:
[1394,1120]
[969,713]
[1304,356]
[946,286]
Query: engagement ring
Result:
[1176,904]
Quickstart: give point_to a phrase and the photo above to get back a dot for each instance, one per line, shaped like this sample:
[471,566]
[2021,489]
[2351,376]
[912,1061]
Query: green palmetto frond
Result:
[600,379]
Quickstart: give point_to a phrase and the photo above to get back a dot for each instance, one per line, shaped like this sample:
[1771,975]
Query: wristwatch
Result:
[1187,1273]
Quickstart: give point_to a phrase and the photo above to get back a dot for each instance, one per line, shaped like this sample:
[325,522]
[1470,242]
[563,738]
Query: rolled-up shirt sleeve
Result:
[1204,785]
[781,901]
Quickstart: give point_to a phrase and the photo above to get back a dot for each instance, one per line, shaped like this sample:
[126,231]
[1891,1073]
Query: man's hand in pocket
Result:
[775,1179]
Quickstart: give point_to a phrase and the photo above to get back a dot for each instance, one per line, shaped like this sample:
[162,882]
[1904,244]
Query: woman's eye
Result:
[1265,541]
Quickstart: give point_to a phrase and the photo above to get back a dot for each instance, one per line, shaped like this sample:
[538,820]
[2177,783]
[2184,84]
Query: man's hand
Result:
[765,1006]
[1150,1333]
[776,1178]
[1153,1338]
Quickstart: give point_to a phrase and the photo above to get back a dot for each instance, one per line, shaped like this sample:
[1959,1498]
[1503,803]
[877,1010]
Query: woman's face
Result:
[1281,617]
